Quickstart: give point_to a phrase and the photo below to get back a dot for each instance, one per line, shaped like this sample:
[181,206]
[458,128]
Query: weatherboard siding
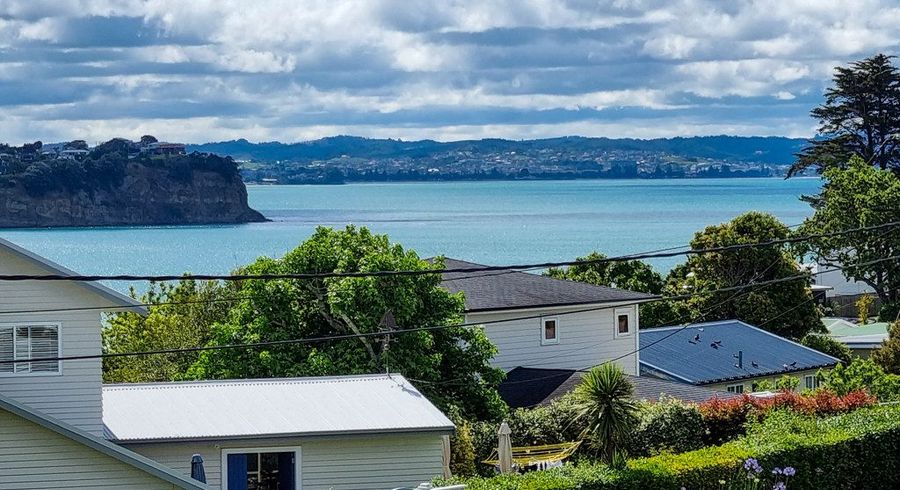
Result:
[748,383]
[33,457]
[72,396]
[585,339]
[327,463]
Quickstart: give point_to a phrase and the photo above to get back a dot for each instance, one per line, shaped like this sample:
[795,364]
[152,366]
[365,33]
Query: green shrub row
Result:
[860,449]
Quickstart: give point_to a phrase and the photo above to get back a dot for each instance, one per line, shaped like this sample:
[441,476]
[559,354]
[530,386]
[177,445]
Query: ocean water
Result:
[486,222]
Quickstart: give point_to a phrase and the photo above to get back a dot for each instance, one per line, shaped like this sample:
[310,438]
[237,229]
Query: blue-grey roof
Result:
[674,352]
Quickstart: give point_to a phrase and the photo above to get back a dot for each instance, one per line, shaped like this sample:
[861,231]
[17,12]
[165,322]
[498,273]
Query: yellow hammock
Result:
[529,456]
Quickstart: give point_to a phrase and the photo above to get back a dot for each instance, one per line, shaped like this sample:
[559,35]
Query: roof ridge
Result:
[253,381]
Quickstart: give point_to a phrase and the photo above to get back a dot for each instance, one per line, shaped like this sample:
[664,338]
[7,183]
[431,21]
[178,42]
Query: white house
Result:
[61,428]
[541,322]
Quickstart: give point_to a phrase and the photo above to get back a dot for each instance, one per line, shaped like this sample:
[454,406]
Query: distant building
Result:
[72,154]
[727,355]
[861,339]
[163,148]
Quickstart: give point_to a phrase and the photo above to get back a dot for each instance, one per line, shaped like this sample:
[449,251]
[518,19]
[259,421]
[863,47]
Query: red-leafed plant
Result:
[725,418]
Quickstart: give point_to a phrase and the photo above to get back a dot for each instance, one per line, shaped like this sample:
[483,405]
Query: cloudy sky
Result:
[294,70]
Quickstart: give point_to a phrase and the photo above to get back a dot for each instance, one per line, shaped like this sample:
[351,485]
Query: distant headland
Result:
[341,159]
[118,183]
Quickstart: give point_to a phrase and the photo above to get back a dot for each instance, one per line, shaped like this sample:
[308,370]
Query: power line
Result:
[310,340]
[403,273]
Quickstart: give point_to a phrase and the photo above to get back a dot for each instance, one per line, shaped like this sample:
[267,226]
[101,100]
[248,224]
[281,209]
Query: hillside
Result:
[349,158]
[118,183]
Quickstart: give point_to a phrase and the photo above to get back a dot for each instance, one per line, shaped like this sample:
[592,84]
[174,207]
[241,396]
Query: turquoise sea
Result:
[486,222]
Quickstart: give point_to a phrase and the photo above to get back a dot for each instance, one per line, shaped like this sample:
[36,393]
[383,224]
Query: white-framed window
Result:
[811,381]
[624,322]
[549,331]
[29,341]
[269,468]
[735,388]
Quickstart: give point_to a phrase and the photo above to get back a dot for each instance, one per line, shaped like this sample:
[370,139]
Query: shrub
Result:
[862,374]
[726,419]
[667,426]
[462,451]
[860,449]
[827,345]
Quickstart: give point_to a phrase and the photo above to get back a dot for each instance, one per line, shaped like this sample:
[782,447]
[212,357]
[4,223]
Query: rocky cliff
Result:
[141,195]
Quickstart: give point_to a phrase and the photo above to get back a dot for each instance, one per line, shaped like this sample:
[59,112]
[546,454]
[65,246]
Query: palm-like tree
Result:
[604,403]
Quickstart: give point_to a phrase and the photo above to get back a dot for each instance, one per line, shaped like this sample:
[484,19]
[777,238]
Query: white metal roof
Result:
[268,408]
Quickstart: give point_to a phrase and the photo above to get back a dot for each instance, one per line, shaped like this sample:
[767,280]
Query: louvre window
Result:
[23,342]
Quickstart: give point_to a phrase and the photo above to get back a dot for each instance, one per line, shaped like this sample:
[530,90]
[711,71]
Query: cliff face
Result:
[146,196]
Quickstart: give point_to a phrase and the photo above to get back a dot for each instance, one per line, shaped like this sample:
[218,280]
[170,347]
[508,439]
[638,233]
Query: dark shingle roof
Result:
[527,387]
[503,290]
[673,351]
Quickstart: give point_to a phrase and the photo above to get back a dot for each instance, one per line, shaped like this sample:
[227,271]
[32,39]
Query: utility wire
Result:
[310,340]
[401,273]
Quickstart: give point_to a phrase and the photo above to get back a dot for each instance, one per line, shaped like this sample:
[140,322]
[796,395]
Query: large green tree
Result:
[860,117]
[784,308]
[451,365]
[633,275]
[859,196]
[888,355]
[179,316]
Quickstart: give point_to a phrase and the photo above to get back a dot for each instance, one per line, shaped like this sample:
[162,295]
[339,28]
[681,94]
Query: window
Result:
[624,322]
[21,342]
[549,331]
[812,381]
[261,469]
[735,388]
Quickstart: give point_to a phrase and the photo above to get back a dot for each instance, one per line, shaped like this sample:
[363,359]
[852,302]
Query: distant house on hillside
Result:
[528,387]
[861,339]
[541,322]
[163,148]
[727,355]
[63,429]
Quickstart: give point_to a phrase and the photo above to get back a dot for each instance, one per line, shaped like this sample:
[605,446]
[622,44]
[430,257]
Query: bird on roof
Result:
[793,364]
[784,366]
[697,338]
[714,345]
[754,364]
[718,343]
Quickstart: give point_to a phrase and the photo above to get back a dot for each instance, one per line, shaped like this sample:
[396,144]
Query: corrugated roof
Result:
[673,351]
[492,290]
[839,327]
[527,387]
[268,407]
[103,446]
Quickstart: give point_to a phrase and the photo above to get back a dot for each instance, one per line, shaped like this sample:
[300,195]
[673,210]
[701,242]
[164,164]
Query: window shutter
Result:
[44,343]
[6,349]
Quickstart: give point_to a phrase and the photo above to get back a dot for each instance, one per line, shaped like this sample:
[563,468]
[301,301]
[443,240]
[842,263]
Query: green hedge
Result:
[854,450]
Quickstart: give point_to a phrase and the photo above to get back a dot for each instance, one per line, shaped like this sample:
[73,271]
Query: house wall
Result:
[748,383]
[327,463]
[73,396]
[585,339]
[33,457]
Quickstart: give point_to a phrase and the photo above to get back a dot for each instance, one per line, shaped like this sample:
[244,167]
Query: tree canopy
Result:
[859,196]
[860,117]
[888,355]
[785,308]
[451,365]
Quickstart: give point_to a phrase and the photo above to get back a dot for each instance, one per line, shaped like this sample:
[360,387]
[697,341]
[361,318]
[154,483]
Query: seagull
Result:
[713,345]
[754,364]
[697,338]
[793,364]
[784,366]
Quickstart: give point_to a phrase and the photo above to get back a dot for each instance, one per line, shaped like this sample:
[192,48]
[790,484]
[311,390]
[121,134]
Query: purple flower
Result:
[776,471]
[789,471]
[752,465]
[779,486]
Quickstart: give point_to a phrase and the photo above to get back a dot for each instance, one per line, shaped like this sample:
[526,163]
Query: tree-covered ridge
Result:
[73,166]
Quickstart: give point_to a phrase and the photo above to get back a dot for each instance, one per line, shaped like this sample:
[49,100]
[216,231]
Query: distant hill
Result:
[118,183]
[768,150]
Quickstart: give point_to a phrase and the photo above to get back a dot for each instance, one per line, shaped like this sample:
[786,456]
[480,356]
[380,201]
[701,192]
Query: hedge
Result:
[860,449]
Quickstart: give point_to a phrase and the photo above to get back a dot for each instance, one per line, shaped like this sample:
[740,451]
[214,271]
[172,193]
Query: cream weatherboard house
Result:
[61,428]
[541,322]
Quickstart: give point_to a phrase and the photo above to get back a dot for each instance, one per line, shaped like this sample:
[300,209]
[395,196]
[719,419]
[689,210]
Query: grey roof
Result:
[118,301]
[233,409]
[503,290]
[673,352]
[105,447]
[527,387]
